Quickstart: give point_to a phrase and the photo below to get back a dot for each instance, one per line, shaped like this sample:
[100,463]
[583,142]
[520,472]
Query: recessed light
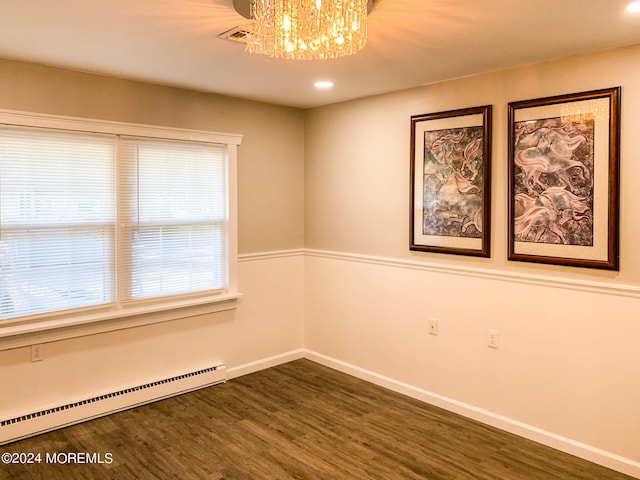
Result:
[633,7]
[323,84]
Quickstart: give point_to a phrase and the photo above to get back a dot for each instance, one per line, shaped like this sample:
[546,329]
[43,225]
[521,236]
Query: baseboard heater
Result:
[45,420]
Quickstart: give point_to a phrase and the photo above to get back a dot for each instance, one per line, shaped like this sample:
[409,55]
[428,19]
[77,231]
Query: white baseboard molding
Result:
[70,413]
[28,424]
[567,445]
[265,363]
[558,442]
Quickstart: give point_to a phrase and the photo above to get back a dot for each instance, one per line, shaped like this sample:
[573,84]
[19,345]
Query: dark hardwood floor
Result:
[296,421]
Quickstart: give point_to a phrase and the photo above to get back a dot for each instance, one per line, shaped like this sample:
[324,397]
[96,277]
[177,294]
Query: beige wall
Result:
[270,159]
[357,160]
[568,361]
[267,322]
[335,180]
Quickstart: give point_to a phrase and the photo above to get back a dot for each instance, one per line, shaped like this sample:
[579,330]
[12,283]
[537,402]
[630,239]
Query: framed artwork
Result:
[450,182]
[564,179]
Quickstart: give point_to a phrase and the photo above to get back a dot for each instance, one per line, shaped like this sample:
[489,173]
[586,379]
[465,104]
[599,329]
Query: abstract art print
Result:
[563,179]
[450,181]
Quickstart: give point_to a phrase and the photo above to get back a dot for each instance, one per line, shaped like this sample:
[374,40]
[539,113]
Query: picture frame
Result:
[564,163]
[450,182]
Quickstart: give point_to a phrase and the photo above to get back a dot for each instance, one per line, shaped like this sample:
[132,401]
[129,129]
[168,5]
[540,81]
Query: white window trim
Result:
[63,325]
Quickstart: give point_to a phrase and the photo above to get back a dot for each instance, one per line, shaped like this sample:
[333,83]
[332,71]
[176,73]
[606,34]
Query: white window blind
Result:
[174,217]
[107,225]
[57,217]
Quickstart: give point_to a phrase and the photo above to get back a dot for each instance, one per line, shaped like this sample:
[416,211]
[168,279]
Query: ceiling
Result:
[411,43]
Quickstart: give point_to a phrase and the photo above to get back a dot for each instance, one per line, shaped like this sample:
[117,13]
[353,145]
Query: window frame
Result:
[54,326]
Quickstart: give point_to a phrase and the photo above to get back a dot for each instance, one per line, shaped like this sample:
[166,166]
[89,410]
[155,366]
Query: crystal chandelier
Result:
[308,29]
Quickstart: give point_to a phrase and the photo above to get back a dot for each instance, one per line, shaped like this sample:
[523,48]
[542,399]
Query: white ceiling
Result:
[411,43]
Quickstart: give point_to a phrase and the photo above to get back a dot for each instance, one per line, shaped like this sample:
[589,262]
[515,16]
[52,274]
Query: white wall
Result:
[266,324]
[568,361]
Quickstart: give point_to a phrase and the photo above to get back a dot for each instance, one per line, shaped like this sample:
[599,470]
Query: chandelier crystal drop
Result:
[308,29]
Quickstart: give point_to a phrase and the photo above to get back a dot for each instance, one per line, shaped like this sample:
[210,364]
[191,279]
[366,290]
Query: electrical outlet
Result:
[37,352]
[493,338]
[433,326]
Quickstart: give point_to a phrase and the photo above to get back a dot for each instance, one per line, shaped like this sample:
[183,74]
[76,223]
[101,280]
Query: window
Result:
[174,217]
[111,219]
[57,221]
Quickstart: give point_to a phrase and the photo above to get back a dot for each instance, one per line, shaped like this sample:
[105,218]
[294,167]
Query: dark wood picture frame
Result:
[450,182]
[564,175]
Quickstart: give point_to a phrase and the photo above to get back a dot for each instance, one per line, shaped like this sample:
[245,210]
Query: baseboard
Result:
[265,363]
[558,442]
[51,418]
[62,415]
[567,445]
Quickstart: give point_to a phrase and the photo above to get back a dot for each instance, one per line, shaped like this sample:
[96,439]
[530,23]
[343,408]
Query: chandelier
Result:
[307,29]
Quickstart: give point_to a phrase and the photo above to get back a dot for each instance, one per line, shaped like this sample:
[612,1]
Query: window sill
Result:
[79,325]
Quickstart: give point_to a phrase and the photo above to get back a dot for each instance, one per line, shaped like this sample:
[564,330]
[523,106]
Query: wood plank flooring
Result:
[296,421]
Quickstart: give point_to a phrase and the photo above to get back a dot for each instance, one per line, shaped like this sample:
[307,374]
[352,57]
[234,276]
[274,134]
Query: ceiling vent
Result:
[238,34]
